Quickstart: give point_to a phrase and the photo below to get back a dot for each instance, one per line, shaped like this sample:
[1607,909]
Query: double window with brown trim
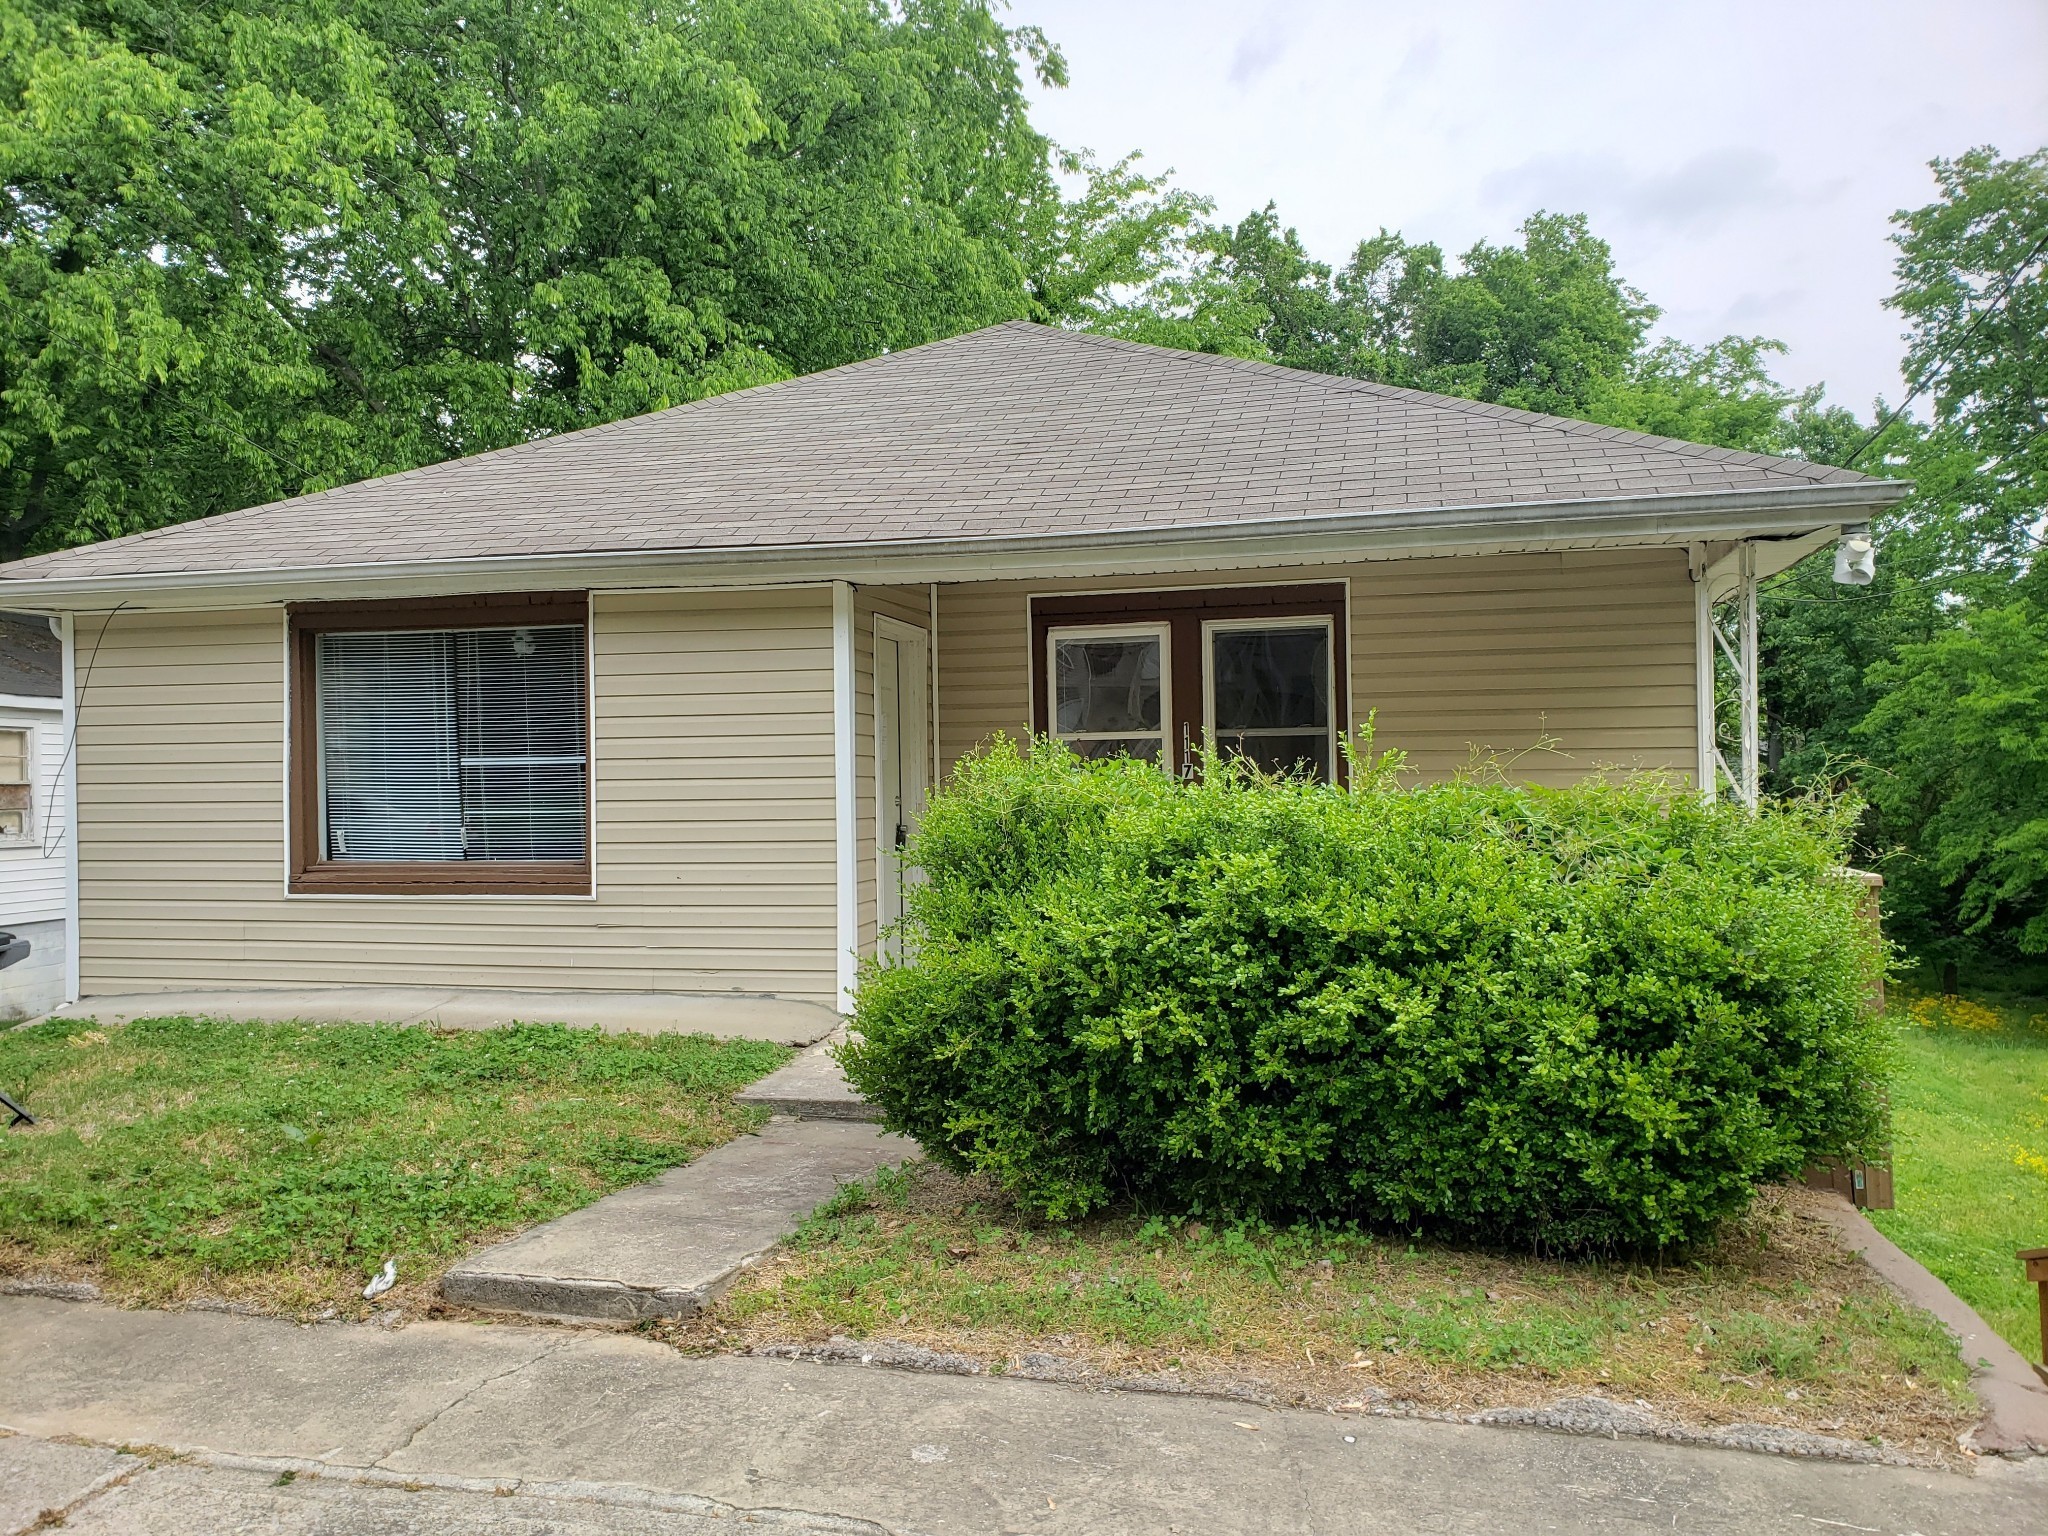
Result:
[441,747]
[1258,671]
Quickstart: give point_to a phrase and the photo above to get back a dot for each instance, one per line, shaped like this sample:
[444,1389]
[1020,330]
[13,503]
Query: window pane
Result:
[1271,679]
[464,744]
[522,740]
[1106,685]
[387,745]
[1144,748]
[13,757]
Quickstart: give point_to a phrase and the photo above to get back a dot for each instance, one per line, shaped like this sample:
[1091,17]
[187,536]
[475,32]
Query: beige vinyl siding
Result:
[1592,652]
[909,605]
[712,754]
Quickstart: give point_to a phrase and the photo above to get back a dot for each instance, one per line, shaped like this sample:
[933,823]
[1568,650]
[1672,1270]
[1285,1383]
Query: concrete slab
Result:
[178,1500]
[910,1453]
[788,1021]
[41,1476]
[208,1379]
[811,1087]
[668,1247]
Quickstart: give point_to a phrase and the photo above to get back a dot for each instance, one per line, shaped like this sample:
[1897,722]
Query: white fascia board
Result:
[1380,535]
[37,702]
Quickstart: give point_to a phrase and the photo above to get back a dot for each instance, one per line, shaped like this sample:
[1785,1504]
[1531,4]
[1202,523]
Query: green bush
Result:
[1585,1018]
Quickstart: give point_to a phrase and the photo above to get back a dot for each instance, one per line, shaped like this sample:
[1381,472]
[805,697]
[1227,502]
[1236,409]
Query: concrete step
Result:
[811,1086]
[670,1247]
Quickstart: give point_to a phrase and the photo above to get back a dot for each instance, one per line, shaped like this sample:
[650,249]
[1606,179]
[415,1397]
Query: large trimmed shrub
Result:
[1585,1018]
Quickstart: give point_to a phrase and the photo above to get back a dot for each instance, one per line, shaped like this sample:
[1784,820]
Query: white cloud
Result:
[1699,193]
[1743,158]
[1257,51]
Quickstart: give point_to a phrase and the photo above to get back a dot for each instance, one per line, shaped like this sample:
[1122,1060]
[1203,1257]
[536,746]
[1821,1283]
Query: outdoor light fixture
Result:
[1855,558]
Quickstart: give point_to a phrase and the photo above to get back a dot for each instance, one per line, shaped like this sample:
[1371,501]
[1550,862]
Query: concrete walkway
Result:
[671,1246]
[729,1016]
[812,1086]
[452,1407]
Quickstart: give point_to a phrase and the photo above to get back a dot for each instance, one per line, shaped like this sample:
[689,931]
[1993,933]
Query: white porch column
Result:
[845,800]
[1708,774]
[846,805]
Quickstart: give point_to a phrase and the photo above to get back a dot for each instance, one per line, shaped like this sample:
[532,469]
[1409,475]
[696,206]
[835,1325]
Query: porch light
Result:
[1855,558]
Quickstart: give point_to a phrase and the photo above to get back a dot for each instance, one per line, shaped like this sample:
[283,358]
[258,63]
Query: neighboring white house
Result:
[35,841]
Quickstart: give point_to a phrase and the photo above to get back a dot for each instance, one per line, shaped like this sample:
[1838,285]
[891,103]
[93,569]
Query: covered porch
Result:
[1546,665]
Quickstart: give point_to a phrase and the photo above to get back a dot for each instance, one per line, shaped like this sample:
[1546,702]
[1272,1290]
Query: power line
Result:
[2012,279]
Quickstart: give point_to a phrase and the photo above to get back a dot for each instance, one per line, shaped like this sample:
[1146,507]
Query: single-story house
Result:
[648,706]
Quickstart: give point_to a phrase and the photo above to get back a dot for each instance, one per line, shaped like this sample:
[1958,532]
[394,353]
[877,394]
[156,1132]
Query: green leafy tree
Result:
[250,248]
[1961,725]
[1957,723]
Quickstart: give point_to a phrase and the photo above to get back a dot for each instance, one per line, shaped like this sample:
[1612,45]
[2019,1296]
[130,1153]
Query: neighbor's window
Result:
[1270,699]
[1109,690]
[17,785]
[447,758]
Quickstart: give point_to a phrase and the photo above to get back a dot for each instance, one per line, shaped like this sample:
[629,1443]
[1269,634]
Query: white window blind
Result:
[453,744]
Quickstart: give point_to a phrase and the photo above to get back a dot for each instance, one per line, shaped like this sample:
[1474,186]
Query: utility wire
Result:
[2012,279]
[71,737]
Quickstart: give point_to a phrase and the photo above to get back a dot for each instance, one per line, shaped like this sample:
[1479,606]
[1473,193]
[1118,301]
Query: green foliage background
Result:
[1593,1018]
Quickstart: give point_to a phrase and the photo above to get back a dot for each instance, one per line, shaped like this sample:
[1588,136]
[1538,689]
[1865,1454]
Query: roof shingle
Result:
[1014,429]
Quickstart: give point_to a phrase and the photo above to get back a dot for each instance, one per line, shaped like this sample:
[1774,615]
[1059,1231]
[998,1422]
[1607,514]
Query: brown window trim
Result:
[311,875]
[1185,613]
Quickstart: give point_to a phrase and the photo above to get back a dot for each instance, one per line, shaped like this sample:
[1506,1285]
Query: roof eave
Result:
[1688,517]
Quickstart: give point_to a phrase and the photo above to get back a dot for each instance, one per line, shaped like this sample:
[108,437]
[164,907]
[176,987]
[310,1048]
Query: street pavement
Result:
[143,1422]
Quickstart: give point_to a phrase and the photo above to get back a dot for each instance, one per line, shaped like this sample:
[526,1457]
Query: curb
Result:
[2015,1421]
[1601,1417]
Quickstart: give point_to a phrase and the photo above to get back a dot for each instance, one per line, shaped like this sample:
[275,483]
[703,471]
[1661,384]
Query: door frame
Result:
[916,762]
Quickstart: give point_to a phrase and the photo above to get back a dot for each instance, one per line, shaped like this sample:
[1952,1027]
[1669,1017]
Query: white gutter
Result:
[1478,529]
[846,803]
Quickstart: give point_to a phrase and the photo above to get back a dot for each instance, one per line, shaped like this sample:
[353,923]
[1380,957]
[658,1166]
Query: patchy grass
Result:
[1970,1163]
[279,1164]
[1776,1324]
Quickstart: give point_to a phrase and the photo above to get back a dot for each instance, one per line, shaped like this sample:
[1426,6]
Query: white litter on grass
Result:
[387,1277]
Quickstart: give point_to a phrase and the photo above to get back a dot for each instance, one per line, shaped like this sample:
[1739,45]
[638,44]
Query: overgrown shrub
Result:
[1586,1018]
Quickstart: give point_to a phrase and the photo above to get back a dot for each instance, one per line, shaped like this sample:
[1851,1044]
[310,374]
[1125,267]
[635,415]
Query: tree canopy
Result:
[256,247]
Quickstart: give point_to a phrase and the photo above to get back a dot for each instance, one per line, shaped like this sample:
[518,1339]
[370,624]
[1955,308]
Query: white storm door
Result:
[902,758]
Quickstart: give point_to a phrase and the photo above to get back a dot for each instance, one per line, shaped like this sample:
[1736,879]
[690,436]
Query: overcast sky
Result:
[1742,158]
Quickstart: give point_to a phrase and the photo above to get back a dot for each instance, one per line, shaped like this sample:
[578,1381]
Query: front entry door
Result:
[902,757]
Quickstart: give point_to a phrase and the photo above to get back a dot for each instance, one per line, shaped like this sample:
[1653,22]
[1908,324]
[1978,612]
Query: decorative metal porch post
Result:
[1731,621]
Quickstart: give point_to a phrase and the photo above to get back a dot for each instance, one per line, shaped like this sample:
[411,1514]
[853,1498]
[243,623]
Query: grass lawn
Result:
[1775,1325]
[280,1164]
[1970,1122]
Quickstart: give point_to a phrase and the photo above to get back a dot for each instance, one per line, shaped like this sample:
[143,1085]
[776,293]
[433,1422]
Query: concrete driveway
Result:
[461,1428]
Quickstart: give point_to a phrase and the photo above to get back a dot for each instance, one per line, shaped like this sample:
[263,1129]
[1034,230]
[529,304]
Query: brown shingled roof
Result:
[1015,429]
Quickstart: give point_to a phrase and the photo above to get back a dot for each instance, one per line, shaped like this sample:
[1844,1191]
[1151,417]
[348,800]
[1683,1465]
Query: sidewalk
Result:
[455,1407]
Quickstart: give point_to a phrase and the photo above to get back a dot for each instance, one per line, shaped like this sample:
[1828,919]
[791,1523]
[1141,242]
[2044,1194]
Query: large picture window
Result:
[443,748]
